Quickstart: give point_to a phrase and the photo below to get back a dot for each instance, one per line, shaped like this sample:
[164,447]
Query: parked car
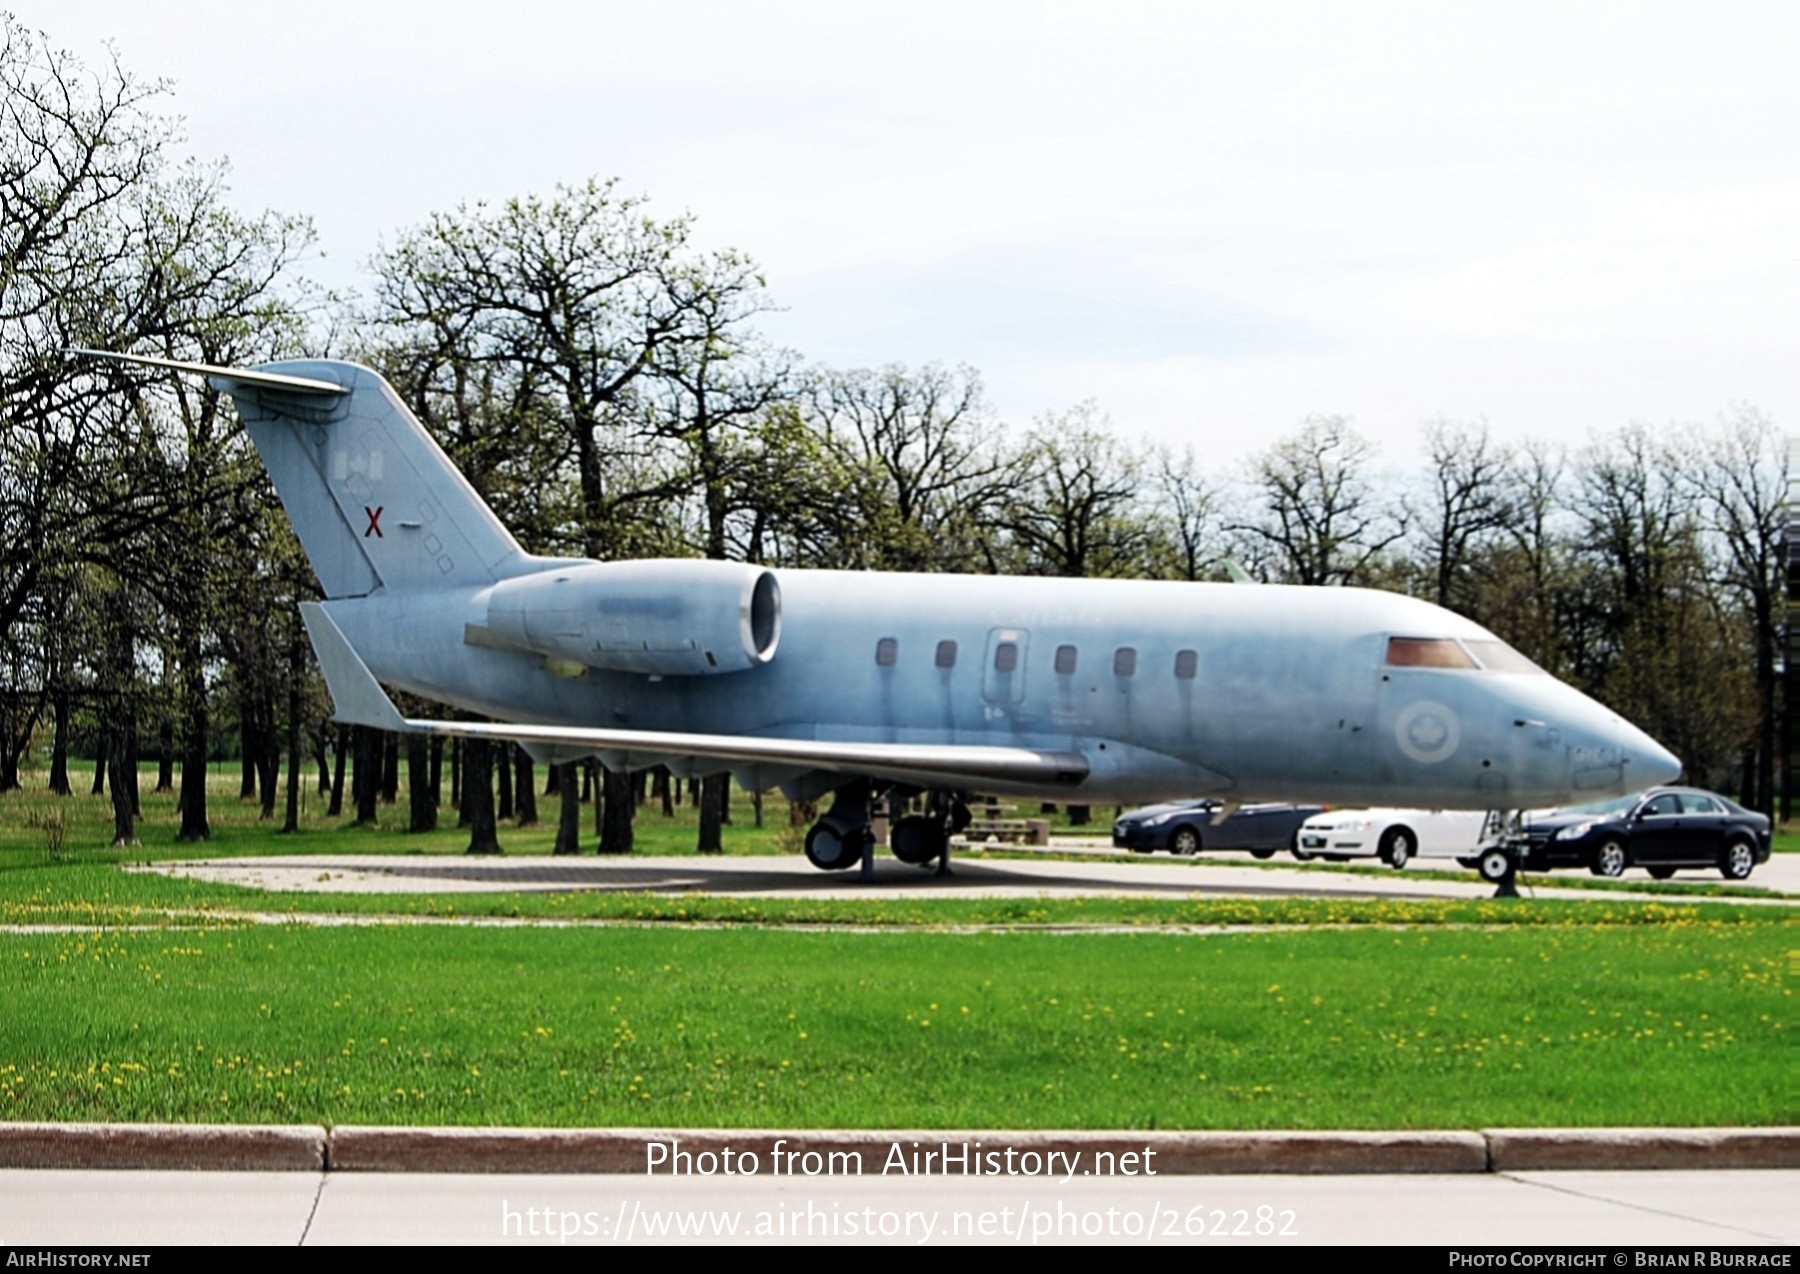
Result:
[1661,830]
[1187,827]
[1396,836]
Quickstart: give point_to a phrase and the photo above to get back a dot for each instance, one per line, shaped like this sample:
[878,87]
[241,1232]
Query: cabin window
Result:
[946,654]
[1125,661]
[1065,661]
[1006,656]
[1427,652]
[1187,663]
[887,650]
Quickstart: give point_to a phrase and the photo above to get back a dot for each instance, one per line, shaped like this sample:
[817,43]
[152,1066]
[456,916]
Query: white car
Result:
[1396,836]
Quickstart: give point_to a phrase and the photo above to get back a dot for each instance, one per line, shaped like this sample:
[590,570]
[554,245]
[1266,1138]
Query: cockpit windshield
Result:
[1497,656]
[1427,652]
[1474,654]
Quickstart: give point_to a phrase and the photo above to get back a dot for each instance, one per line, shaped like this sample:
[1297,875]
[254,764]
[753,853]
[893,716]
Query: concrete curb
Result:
[1600,1149]
[626,1150]
[182,1147]
[169,1147]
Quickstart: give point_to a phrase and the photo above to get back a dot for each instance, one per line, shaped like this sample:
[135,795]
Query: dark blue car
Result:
[1187,827]
[1662,830]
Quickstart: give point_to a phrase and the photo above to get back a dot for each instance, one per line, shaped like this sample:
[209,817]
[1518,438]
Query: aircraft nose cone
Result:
[1649,762]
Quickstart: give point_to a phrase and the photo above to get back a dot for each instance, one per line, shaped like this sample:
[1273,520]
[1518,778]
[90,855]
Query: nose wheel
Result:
[1499,865]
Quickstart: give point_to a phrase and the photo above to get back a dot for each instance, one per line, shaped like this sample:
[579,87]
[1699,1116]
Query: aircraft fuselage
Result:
[1168,689]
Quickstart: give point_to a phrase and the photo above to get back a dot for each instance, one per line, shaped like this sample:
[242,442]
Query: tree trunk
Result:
[525,788]
[553,780]
[196,728]
[59,746]
[756,802]
[390,769]
[268,761]
[502,758]
[367,784]
[659,788]
[124,828]
[165,754]
[1079,815]
[296,669]
[249,742]
[131,769]
[102,750]
[615,822]
[422,810]
[478,797]
[712,801]
[568,821]
[456,778]
[436,782]
[324,761]
[336,808]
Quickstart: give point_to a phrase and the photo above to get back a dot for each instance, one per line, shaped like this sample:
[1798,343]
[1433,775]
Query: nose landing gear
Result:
[1499,863]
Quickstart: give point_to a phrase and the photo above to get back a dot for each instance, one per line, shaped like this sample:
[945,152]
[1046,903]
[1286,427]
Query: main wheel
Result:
[1739,861]
[1610,859]
[1184,842]
[1494,865]
[828,849]
[1396,847]
[917,840]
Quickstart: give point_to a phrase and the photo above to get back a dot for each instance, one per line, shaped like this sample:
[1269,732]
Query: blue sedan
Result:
[1187,827]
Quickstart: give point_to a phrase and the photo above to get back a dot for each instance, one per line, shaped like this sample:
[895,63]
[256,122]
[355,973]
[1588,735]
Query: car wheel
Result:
[1494,864]
[1262,853]
[1610,859]
[1738,862]
[1396,847]
[1660,873]
[1184,842]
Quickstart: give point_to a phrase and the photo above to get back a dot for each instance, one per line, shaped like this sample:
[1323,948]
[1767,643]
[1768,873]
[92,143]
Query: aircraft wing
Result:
[360,700]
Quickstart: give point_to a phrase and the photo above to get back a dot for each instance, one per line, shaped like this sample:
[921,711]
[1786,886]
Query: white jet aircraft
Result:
[855,684]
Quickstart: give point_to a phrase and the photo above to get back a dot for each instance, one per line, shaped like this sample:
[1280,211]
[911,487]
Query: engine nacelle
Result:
[664,617]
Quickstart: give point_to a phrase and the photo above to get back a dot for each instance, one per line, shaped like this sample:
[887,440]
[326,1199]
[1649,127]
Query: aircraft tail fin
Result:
[375,501]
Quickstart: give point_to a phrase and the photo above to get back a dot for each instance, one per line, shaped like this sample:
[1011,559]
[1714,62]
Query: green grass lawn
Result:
[1678,1023]
[1326,1013]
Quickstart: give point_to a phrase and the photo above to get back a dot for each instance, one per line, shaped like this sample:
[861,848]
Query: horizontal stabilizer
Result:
[231,375]
[358,699]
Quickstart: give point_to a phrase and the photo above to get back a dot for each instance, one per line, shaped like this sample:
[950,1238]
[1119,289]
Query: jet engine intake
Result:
[661,617]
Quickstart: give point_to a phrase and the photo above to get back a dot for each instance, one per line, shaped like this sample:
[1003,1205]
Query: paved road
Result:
[1103,873]
[1674,1209]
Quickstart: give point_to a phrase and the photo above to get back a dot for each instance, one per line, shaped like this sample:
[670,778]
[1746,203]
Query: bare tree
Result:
[1073,508]
[1320,523]
[927,445]
[1466,509]
[1738,474]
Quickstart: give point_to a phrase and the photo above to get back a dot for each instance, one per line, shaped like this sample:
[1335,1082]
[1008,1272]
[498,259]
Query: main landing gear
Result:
[844,837]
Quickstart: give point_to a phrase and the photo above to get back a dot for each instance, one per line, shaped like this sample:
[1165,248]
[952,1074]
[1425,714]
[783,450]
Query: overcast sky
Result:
[1212,218]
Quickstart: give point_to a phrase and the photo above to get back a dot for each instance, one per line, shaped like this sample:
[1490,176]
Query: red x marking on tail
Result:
[374,522]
